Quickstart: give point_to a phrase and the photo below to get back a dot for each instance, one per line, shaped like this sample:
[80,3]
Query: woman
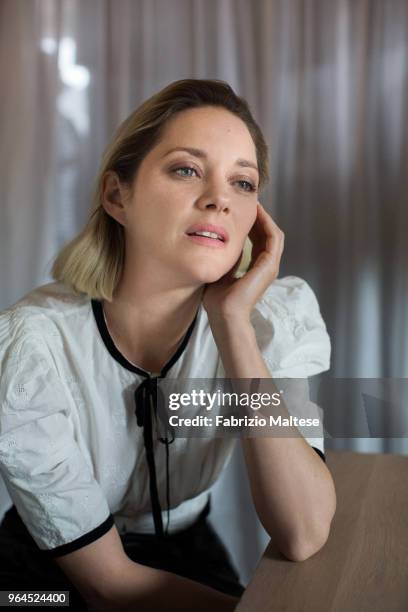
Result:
[149,289]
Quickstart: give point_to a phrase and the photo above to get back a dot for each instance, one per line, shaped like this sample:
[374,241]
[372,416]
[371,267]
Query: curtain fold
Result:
[328,83]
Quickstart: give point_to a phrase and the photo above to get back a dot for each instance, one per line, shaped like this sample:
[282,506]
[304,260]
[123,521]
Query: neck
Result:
[149,316]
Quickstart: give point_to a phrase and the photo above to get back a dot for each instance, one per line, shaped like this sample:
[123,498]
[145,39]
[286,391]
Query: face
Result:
[178,192]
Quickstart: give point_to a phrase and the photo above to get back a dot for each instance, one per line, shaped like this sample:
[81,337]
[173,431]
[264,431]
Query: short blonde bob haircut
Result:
[92,262]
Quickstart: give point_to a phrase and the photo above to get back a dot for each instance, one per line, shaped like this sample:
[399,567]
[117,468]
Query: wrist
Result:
[230,320]
[232,330]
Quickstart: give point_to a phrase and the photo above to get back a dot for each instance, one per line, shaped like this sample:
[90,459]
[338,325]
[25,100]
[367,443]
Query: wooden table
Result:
[363,567]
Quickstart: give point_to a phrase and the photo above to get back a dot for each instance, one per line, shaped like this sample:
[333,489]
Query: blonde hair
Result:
[92,262]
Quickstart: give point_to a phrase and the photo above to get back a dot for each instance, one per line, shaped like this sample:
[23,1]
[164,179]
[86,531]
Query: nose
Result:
[215,198]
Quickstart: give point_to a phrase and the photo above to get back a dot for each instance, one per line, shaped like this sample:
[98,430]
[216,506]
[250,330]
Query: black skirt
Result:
[196,553]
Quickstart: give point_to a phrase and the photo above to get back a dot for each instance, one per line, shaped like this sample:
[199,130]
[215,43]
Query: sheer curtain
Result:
[328,83]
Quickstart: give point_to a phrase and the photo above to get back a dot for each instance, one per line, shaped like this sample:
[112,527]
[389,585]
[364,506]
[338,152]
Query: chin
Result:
[205,269]
[208,274]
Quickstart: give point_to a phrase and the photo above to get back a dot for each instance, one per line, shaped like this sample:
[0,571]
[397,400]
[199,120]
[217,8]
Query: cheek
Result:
[152,211]
[246,221]
[253,215]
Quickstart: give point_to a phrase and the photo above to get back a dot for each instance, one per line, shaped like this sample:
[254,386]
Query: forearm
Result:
[292,488]
[144,588]
[293,493]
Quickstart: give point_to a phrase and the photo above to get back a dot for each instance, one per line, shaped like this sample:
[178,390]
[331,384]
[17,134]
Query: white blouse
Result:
[71,453]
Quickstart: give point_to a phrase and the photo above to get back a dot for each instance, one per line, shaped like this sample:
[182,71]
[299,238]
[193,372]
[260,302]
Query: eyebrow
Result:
[244,163]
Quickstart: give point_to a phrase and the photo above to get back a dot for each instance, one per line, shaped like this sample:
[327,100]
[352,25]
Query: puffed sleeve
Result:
[47,477]
[294,343]
[290,330]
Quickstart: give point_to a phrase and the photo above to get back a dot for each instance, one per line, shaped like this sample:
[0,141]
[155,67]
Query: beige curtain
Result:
[328,83]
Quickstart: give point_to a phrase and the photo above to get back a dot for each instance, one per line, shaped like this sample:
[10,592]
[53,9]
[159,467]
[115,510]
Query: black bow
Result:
[146,410]
[146,396]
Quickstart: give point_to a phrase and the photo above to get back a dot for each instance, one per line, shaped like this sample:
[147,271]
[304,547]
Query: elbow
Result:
[97,602]
[302,548]
[302,545]
[101,601]
[102,604]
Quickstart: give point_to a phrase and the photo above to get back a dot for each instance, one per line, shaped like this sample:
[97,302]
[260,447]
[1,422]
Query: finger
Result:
[230,275]
[268,230]
[274,235]
[264,222]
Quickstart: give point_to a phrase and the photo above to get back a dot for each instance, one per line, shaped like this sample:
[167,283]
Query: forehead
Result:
[207,127]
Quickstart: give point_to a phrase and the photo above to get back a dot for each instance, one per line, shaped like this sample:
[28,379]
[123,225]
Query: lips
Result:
[207,227]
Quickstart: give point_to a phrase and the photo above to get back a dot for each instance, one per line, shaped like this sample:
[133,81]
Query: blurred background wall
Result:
[327,82]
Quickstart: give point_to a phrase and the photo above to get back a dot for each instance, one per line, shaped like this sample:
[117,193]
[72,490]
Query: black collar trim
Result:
[117,355]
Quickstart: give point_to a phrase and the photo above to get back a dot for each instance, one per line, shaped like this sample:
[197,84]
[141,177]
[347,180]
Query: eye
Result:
[250,185]
[184,168]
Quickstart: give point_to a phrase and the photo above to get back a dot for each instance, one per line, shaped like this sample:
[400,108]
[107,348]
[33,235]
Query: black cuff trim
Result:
[82,541]
[319,452]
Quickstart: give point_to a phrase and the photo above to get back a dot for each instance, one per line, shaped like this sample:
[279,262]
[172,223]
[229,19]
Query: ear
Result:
[113,197]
